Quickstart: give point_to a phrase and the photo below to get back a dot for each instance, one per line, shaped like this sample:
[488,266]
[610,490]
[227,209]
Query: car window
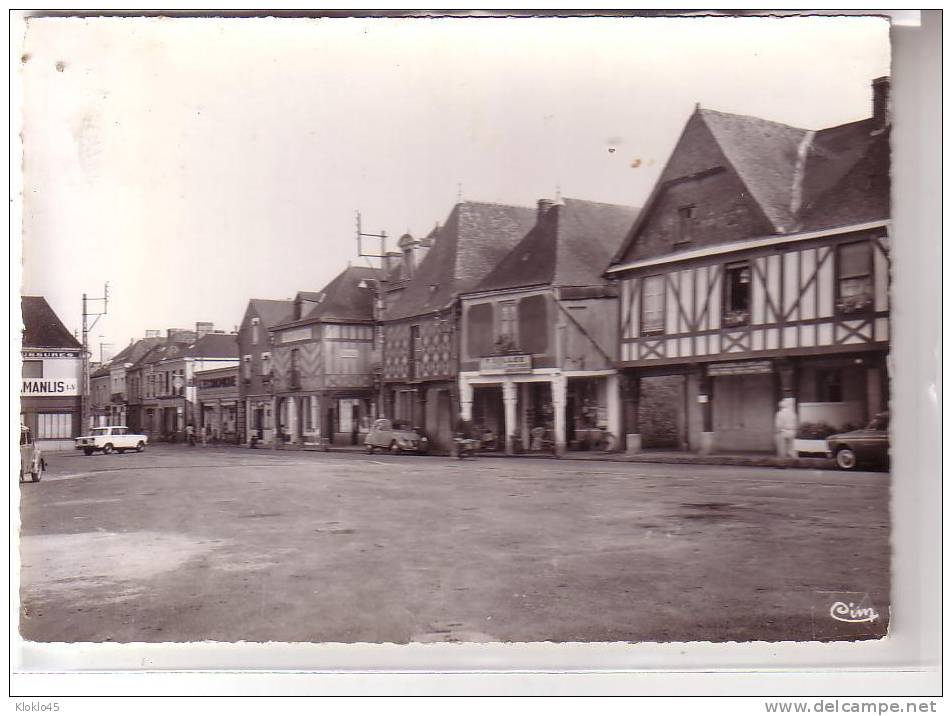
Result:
[382,425]
[100,431]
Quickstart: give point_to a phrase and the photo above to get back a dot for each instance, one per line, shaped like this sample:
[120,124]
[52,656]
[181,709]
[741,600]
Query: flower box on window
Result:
[854,304]
[736,318]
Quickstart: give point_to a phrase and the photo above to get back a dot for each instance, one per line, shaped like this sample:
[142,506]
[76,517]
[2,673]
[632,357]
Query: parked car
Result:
[395,436]
[32,462]
[869,446]
[111,438]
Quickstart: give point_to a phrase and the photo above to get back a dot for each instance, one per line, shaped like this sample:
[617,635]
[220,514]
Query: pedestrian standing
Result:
[190,434]
[205,435]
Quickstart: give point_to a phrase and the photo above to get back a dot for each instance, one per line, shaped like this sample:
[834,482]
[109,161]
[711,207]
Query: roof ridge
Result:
[707,110]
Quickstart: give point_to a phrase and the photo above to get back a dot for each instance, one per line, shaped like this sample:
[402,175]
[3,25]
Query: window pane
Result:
[32,369]
[855,260]
[856,287]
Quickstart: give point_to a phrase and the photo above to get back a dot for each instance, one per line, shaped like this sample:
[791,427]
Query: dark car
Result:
[869,446]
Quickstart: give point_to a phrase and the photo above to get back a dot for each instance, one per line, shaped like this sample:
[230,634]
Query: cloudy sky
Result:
[197,163]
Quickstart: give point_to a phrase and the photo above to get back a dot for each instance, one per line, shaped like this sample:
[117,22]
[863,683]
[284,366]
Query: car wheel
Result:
[370,449]
[845,459]
[140,447]
[87,452]
[394,448]
[107,448]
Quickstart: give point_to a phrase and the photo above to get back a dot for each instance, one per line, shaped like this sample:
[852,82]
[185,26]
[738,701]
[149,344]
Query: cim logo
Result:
[853,613]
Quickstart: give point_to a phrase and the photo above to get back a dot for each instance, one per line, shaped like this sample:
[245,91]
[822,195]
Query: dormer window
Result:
[686,219]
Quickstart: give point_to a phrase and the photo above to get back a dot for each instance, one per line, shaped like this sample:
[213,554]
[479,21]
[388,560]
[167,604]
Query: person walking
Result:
[190,435]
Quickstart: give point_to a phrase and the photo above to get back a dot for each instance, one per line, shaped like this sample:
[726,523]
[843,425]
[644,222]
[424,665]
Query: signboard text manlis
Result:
[49,386]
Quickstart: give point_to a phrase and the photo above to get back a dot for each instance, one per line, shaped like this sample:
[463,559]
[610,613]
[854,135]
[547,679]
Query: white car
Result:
[111,438]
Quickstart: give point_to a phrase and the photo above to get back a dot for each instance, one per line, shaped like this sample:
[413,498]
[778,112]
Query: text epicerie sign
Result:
[49,386]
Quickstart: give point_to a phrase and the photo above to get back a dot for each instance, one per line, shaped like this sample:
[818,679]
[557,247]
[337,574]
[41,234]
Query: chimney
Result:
[152,333]
[543,206]
[880,102]
[388,261]
[203,327]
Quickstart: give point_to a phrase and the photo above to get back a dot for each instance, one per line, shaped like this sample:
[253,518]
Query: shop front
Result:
[540,409]
[318,419]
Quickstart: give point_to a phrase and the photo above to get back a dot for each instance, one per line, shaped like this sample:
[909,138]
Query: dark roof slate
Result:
[569,246]
[271,311]
[474,238]
[765,156]
[341,300]
[42,328]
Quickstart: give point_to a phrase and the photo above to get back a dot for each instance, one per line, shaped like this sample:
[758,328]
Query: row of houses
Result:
[757,270]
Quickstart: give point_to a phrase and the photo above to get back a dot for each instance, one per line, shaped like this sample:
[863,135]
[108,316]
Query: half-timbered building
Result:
[759,269]
[322,362]
[421,340]
[539,338]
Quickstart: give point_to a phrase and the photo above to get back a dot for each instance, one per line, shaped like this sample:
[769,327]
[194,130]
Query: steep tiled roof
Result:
[856,195]
[100,372]
[474,238]
[134,351]
[214,345]
[271,311]
[799,179]
[344,299]
[765,156]
[175,349]
[569,246]
[42,328]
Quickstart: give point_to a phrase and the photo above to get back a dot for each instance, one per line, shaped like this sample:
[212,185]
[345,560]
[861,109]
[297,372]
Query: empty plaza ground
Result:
[229,544]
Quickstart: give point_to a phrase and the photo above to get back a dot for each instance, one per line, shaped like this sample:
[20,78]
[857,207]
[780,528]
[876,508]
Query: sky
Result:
[197,163]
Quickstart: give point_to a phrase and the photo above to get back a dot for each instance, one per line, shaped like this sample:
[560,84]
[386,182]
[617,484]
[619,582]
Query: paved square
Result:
[187,544]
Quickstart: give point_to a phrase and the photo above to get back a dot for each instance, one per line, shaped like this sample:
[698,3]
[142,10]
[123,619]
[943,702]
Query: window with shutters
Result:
[652,305]
[854,277]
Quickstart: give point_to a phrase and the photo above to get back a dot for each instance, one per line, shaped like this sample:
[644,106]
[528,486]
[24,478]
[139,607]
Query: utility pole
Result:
[87,327]
[378,301]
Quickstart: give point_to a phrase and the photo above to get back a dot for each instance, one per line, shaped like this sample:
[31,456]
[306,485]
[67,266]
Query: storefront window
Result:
[51,426]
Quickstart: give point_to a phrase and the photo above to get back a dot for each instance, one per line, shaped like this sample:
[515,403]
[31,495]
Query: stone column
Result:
[465,399]
[559,393]
[523,422]
[631,394]
[613,404]
[293,419]
[509,400]
[275,422]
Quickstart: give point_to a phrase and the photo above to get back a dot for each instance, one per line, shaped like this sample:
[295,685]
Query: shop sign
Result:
[50,354]
[744,367]
[348,352]
[296,334]
[50,386]
[492,365]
